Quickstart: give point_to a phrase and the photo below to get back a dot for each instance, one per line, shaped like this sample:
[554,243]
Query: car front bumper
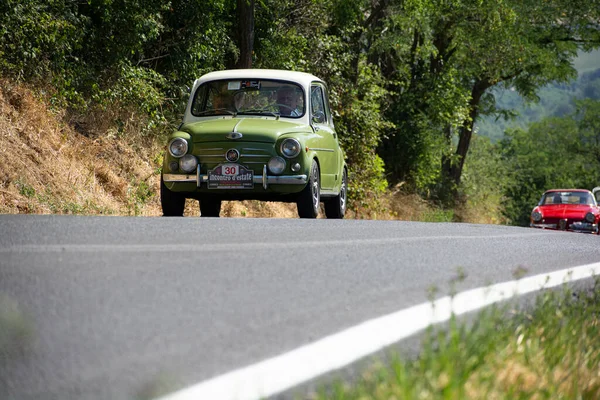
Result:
[577,226]
[263,179]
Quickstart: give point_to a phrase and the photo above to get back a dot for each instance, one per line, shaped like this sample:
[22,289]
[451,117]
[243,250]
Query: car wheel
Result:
[172,203]
[335,208]
[210,208]
[309,199]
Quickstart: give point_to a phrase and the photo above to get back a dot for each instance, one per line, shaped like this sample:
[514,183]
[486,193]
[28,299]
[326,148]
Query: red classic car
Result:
[567,210]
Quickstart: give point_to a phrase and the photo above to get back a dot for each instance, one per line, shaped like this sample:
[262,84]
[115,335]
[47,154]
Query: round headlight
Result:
[290,148]
[536,216]
[590,217]
[178,147]
[188,163]
[276,165]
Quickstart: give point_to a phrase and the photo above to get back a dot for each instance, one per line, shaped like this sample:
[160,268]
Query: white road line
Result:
[287,370]
[219,247]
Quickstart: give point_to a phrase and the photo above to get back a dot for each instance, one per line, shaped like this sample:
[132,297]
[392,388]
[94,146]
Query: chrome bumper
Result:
[543,226]
[263,179]
[583,227]
[575,226]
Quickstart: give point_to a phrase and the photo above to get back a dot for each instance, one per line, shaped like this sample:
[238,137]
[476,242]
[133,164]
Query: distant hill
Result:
[555,99]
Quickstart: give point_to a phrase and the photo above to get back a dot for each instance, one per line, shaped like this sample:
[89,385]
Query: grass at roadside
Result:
[549,351]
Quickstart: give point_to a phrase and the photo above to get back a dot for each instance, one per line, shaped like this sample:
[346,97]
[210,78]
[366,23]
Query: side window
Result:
[200,99]
[317,105]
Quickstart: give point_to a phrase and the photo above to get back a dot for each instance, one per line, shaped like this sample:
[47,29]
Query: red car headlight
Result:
[536,216]
[590,217]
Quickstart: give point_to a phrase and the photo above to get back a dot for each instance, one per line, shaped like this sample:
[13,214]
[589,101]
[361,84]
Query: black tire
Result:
[210,208]
[172,203]
[309,199]
[335,208]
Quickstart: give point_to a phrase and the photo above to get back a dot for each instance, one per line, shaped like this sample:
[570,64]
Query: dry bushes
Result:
[48,167]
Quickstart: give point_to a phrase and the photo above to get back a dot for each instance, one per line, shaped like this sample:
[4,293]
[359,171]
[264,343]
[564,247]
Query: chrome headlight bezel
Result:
[536,216]
[188,163]
[590,217]
[276,165]
[178,147]
[290,148]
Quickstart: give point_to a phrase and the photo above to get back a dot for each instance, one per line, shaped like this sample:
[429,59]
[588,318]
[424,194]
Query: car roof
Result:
[303,78]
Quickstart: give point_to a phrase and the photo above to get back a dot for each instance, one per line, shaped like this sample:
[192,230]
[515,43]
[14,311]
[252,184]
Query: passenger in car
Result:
[223,102]
[288,102]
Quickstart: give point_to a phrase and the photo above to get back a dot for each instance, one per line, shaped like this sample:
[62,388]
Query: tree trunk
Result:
[454,170]
[245,14]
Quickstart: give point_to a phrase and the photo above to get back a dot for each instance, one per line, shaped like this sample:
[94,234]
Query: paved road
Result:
[118,304]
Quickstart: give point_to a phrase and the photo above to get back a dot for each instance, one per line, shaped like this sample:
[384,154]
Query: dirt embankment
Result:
[48,167]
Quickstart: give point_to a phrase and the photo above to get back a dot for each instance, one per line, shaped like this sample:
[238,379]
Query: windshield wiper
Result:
[216,111]
[259,112]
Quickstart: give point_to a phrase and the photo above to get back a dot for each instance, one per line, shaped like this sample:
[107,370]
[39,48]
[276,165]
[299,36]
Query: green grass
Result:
[438,215]
[549,351]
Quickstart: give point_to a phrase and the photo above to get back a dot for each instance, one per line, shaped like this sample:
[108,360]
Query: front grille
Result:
[557,220]
[252,155]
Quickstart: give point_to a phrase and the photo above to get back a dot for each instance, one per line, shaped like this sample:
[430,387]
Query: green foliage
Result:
[38,38]
[25,189]
[553,100]
[139,194]
[438,215]
[401,75]
[360,126]
[134,88]
[485,179]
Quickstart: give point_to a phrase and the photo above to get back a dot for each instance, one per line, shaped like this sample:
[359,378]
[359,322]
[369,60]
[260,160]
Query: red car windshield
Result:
[567,197]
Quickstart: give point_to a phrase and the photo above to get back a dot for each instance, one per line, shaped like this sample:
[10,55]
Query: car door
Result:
[326,143]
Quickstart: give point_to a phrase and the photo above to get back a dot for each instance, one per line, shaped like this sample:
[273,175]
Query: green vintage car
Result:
[256,134]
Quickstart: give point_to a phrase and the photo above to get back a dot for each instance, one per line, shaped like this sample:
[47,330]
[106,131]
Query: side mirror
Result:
[318,117]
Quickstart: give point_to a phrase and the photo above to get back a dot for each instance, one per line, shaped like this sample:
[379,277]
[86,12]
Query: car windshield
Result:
[249,97]
[567,197]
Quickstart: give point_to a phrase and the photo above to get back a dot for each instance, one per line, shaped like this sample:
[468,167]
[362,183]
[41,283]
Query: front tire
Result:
[335,208]
[172,203]
[309,199]
[210,208]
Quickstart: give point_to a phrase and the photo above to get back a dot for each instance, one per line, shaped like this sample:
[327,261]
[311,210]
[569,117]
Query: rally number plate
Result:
[230,176]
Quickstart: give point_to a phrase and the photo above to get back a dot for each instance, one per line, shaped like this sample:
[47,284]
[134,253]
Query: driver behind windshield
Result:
[289,102]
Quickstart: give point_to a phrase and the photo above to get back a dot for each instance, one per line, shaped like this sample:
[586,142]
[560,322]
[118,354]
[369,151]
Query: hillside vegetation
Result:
[553,100]
[90,90]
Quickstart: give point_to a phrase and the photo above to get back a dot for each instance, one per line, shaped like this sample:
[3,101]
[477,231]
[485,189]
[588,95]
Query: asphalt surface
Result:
[119,305]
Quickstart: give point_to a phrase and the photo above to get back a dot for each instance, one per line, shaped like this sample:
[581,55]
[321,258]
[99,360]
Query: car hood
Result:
[565,210]
[266,129]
